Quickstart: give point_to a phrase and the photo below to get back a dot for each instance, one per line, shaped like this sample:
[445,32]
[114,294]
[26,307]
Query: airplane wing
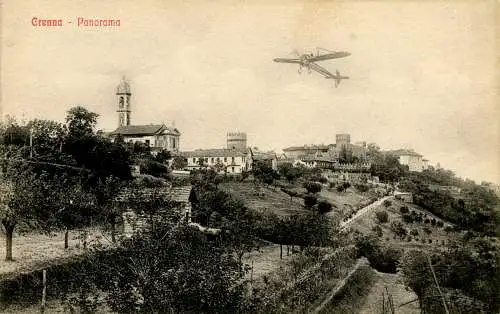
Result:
[284,60]
[321,70]
[328,56]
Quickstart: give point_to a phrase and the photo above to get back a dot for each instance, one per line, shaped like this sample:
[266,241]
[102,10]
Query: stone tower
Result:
[237,140]
[123,96]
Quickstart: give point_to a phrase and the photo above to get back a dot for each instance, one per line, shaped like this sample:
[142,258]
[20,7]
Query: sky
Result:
[423,75]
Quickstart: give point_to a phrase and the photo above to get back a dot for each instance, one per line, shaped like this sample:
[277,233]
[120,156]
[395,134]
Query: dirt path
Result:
[400,295]
[363,211]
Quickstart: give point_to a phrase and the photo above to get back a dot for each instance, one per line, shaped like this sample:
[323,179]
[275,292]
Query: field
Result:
[263,199]
[32,251]
[425,235]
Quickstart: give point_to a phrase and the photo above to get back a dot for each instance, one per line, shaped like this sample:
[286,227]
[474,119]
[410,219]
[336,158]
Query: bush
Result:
[439,224]
[362,187]
[448,229]
[407,218]
[427,230]
[382,216]
[387,203]
[433,221]
[378,230]
[414,232]
[404,210]
[426,220]
[398,229]
[312,187]
[310,201]
[324,207]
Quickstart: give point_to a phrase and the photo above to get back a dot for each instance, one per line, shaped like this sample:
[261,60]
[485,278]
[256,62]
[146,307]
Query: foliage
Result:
[382,216]
[289,172]
[343,186]
[263,172]
[404,210]
[378,230]
[312,187]
[380,258]
[362,187]
[387,203]
[179,163]
[324,207]
[310,200]
[398,229]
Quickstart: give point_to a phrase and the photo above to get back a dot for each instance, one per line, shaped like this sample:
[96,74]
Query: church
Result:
[156,136]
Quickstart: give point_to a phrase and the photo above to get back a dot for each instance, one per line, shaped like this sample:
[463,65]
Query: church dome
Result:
[123,87]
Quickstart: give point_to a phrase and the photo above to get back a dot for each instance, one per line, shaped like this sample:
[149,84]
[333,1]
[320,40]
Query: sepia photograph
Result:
[230,156]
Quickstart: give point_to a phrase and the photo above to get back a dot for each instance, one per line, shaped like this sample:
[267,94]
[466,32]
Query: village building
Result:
[410,158]
[223,160]
[156,136]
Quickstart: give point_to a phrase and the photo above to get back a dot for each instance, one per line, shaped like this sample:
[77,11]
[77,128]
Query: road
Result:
[364,210]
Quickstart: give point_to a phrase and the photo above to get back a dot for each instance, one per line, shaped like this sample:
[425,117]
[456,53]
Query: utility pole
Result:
[437,285]
[31,142]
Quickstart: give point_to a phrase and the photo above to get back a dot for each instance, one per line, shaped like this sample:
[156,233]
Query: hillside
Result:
[426,231]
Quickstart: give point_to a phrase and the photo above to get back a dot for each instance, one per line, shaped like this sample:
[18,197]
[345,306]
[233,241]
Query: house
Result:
[410,158]
[229,161]
[268,157]
[156,136]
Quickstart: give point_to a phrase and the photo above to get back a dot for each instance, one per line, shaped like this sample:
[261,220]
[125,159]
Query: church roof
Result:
[147,129]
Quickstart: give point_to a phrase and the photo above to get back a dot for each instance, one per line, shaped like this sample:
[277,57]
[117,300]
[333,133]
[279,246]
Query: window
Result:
[212,159]
[217,159]
[194,160]
[147,142]
[232,168]
[232,160]
[225,159]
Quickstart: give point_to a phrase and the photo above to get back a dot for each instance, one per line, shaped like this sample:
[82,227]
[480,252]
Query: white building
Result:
[409,158]
[230,161]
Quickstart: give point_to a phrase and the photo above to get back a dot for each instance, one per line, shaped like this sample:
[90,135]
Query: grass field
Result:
[264,199]
[32,251]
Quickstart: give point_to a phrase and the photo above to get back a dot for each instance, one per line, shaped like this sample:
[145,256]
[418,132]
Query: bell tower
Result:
[123,96]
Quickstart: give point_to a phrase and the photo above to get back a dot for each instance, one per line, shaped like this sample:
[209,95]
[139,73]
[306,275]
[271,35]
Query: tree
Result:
[80,122]
[290,172]
[382,216]
[179,163]
[263,172]
[19,194]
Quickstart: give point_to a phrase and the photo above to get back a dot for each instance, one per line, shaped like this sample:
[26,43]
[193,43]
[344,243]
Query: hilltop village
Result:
[341,160]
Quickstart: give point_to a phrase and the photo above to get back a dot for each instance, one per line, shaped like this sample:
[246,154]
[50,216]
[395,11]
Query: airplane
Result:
[306,60]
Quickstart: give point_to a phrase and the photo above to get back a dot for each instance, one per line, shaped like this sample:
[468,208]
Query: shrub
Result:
[387,203]
[398,229]
[430,240]
[312,187]
[404,210]
[382,216]
[440,224]
[378,230]
[362,187]
[427,230]
[433,221]
[407,218]
[310,201]
[414,232]
[324,207]
[426,220]
[448,229]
